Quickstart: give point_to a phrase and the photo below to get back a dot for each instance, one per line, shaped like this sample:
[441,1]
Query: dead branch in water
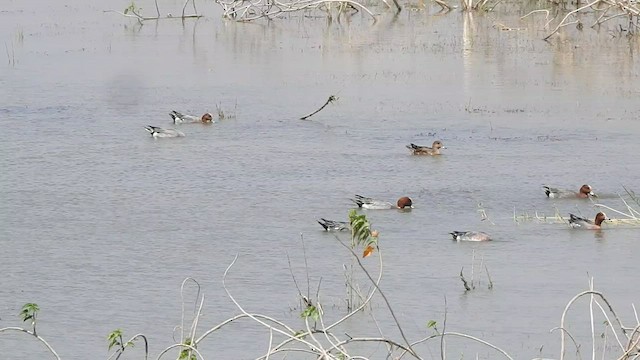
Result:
[445,7]
[464,281]
[468,5]
[599,8]
[331,99]
[132,11]
[244,10]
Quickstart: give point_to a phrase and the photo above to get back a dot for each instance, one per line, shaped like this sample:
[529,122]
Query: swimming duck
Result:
[578,222]
[425,150]
[179,118]
[373,204]
[331,225]
[158,132]
[470,236]
[584,192]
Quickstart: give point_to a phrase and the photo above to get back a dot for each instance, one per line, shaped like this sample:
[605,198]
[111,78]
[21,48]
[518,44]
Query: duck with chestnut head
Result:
[584,192]
[404,202]
[578,222]
[179,118]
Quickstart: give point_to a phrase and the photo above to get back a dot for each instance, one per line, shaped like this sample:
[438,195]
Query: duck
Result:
[373,204]
[179,118]
[470,236]
[584,192]
[158,132]
[578,222]
[332,225]
[425,150]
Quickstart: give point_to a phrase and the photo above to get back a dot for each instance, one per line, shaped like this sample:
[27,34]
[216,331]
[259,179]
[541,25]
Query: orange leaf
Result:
[367,251]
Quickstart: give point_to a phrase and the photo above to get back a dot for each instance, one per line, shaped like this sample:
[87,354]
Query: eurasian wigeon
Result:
[470,236]
[578,222]
[179,118]
[583,193]
[158,132]
[373,204]
[425,150]
[332,225]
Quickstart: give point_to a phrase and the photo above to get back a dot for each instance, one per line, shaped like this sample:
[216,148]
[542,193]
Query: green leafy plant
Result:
[132,8]
[187,353]
[30,312]
[310,312]
[361,233]
[115,339]
[432,324]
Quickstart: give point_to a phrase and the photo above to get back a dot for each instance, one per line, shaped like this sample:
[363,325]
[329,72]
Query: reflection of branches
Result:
[247,10]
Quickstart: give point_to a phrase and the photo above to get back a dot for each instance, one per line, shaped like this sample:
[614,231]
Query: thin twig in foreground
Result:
[451,333]
[291,336]
[36,336]
[393,315]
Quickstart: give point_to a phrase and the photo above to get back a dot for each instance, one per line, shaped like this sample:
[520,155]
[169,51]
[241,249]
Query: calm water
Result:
[100,223]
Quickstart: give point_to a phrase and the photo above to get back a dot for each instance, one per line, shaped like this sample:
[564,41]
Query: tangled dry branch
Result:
[247,10]
[602,11]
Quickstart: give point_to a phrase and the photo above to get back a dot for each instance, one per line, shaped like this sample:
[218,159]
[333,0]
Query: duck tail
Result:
[547,190]
[359,200]
[574,218]
[150,129]
[323,223]
[412,146]
[175,116]
[456,234]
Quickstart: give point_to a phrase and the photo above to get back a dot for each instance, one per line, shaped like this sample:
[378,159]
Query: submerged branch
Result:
[331,99]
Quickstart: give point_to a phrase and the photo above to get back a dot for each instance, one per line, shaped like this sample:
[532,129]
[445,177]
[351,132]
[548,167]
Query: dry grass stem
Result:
[546,11]
[444,6]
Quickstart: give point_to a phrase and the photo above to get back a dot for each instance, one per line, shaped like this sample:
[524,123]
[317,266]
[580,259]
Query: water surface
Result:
[101,223]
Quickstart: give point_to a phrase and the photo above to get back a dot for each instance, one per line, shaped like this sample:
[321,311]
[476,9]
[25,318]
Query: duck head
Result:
[207,118]
[405,202]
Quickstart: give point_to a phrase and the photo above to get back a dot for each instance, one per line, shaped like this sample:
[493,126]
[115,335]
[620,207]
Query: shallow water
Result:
[101,223]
